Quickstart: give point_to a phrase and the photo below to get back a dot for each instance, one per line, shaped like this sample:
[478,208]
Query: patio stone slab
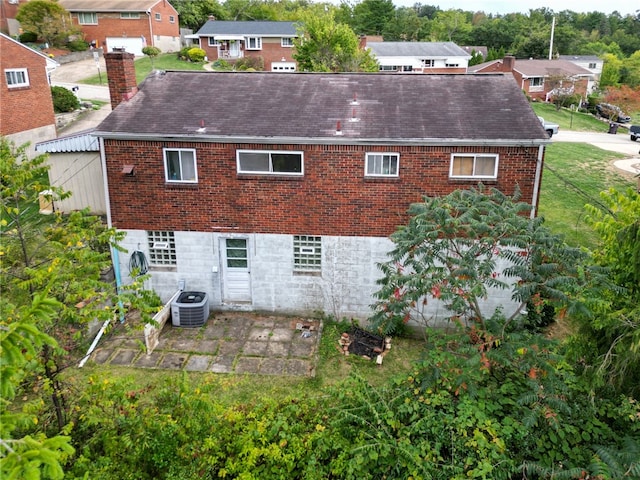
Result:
[273,366]
[210,347]
[213,330]
[277,349]
[149,361]
[198,363]
[282,334]
[123,357]
[302,349]
[298,367]
[254,348]
[102,355]
[229,346]
[185,345]
[222,364]
[172,361]
[248,365]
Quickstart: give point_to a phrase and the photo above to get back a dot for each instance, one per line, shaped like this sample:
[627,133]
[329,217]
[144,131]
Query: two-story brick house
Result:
[541,79]
[230,41]
[26,105]
[131,24]
[278,192]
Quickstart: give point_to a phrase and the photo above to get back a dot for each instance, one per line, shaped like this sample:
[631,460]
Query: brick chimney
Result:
[508,62]
[122,76]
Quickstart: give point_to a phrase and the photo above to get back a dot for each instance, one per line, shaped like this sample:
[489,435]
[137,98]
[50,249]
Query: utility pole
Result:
[553,27]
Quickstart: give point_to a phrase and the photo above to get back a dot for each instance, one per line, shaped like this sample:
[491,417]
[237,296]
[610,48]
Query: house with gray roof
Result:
[420,57]
[593,63]
[270,43]
[541,79]
[284,201]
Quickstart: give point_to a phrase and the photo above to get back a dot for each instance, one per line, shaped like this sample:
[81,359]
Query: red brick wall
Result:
[122,76]
[111,25]
[272,51]
[24,108]
[332,198]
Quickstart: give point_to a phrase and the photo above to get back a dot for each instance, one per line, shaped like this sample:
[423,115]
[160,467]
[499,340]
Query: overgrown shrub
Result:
[77,45]
[250,63]
[64,100]
[28,37]
[196,54]
[221,65]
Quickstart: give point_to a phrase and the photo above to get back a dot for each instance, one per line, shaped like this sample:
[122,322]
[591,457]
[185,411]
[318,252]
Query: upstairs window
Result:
[281,163]
[382,164]
[180,165]
[162,248]
[158,17]
[307,253]
[172,19]
[474,166]
[287,42]
[592,66]
[85,18]
[17,77]
[254,43]
[130,15]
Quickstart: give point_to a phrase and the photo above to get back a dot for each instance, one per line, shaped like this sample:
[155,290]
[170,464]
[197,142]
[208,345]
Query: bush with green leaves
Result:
[64,100]
[77,45]
[250,63]
[196,54]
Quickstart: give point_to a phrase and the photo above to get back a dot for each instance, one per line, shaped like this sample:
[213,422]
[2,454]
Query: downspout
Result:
[114,257]
[152,44]
[536,183]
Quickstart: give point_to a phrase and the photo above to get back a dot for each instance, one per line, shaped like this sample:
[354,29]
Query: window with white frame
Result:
[212,42]
[17,77]
[287,42]
[307,253]
[474,166]
[162,248]
[451,65]
[270,162]
[382,164]
[158,17]
[388,68]
[180,165]
[172,19]
[427,63]
[536,84]
[87,18]
[592,66]
[130,15]
[254,43]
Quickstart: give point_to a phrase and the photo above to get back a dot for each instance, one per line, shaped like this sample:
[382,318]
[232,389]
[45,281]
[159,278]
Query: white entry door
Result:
[236,279]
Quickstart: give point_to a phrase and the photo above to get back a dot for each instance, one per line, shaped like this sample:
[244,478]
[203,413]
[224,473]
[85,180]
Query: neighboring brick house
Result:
[230,41]
[541,79]
[418,57]
[130,24]
[8,11]
[279,192]
[26,106]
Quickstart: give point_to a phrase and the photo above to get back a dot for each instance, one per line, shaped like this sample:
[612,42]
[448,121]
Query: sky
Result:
[624,7]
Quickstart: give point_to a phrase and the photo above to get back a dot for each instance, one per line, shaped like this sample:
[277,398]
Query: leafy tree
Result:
[476,58]
[327,46]
[48,19]
[448,256]
[628,99]
[64,256]
[194,14]
[451,26]
[610,76]
[151,52]
[405,26]
[630,71]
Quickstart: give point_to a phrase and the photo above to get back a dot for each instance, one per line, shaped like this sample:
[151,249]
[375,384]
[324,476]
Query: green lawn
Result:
[168,61]
[568,120]
[574,175]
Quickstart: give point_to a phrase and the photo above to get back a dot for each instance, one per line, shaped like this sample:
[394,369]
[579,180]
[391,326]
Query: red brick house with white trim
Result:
[279,192]
[26,105]
[131,24]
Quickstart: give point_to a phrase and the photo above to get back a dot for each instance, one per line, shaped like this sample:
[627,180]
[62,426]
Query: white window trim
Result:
[166,169]
[258,43]
[392,154]
[94,17]
[212,42]
[158,17]
[270,172]
[17,70]
[286,45]
[129,15]
[172,19]
[475,156]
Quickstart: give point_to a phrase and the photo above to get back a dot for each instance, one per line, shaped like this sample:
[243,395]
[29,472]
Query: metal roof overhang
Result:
[223,36]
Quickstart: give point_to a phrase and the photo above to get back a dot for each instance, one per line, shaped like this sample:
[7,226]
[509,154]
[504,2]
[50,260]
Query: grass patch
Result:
[168,61]
[568,120]
[574,175]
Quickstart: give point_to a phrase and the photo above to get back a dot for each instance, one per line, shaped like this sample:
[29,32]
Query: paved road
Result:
[69,75]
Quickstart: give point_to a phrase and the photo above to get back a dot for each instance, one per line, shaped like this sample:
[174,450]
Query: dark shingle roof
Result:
[216,27]
[416,49]
[305,107]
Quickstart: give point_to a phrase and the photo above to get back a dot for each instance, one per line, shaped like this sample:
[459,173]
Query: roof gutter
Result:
[336,140]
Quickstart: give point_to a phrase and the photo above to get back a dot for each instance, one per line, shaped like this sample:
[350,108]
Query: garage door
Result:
[131,45]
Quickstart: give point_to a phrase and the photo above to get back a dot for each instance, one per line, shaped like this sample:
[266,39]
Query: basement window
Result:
[162,248]
[307,253]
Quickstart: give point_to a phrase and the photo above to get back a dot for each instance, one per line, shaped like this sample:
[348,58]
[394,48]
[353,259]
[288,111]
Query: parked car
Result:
[612,112]
[550,128]
[634,131]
